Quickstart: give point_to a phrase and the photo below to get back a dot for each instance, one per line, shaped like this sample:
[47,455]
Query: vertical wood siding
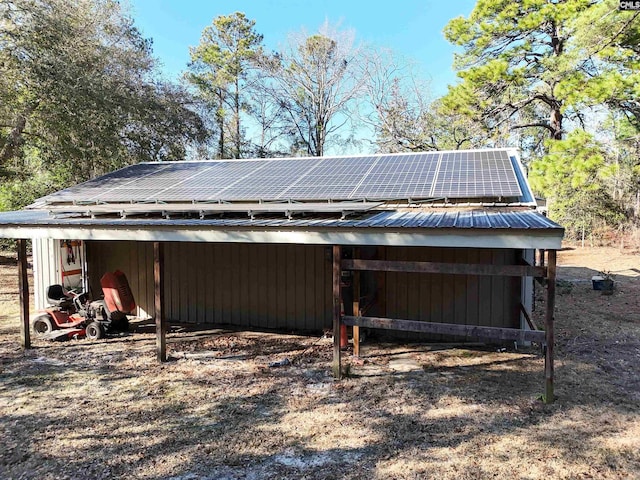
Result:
[46,268]
[248,285]
[289,286]
[527,291]
[135,259]
[460,299]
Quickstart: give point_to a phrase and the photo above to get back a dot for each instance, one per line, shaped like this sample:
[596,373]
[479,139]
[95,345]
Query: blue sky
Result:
[410,27]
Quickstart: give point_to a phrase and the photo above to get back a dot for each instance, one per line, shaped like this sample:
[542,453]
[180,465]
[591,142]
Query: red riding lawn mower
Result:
[74,314]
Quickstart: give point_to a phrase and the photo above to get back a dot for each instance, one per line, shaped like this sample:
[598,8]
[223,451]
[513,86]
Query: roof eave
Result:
[529,238]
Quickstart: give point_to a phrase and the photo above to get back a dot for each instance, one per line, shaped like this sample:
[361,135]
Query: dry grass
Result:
[106,409]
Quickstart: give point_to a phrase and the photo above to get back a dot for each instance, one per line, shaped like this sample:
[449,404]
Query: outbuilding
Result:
[445,244]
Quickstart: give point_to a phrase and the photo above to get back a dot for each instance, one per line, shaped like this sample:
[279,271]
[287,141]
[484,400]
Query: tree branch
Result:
[527,125]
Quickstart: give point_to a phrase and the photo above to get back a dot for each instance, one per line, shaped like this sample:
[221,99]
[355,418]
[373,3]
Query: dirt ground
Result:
[107,409]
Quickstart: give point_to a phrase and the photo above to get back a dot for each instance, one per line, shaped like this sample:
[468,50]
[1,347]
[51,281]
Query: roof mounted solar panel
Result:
[385,177]
[476,175]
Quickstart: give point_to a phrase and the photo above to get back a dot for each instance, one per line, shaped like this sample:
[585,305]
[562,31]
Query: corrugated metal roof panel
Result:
[481,220]
[449,221]
[497,220]
[518,221]
[464,220]
[422,219]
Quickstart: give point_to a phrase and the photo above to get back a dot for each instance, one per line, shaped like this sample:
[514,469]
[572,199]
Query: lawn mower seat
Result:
[56,296]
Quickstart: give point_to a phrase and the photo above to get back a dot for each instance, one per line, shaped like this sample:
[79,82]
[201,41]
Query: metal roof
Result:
[438,219]
[419,227]
[491,174]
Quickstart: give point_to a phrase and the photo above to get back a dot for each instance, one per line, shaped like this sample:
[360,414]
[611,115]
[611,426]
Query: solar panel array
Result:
[467,174]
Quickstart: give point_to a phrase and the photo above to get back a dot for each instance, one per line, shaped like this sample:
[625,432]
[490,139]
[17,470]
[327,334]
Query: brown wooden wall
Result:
[135,259]
[253,285]
[462,299]
[289,286]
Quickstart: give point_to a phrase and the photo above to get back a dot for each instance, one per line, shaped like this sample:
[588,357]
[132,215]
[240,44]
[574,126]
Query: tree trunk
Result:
[320,146]
[14,141]
[557,43]
[220,121]
[555,121]
[237,119]
[320,132]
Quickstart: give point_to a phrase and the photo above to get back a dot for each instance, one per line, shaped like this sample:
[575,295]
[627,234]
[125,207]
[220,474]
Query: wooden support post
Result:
[337,367]
[530,321]
[533,293]
[356,313]
[548,325]
[158,283]
[381,283]
[25,335]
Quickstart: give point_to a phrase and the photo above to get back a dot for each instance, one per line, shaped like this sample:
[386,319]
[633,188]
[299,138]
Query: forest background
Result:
[81,94]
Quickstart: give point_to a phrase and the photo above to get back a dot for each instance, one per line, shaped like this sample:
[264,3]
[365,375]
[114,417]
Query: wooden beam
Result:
[472,331]
[380,295]
[548,325]
[524,261]
[23,288]
[356,306]
[158,285]
[533,298]
[337,366]
[542,281]
[527,317]
[448,268]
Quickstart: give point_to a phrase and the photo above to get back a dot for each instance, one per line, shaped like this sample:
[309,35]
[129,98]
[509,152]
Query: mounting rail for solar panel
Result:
[203,210]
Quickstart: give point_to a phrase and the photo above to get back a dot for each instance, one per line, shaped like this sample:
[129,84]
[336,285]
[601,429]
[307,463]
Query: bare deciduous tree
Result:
[402,113]
[317,81]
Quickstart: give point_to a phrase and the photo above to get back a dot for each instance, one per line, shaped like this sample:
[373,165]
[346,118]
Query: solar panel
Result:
[427,175]
[483,174]
[399,177]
